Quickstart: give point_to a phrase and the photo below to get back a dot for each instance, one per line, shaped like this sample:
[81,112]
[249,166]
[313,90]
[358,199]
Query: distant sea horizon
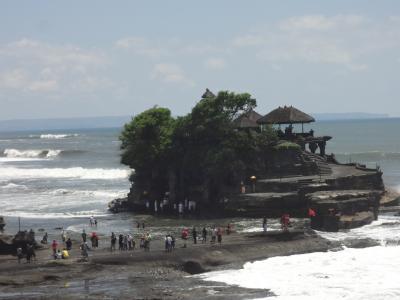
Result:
[11,125]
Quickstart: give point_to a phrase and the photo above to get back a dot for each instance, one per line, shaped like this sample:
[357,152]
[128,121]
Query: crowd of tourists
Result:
[126,241]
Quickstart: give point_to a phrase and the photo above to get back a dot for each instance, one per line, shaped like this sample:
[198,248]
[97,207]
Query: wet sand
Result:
[151,275]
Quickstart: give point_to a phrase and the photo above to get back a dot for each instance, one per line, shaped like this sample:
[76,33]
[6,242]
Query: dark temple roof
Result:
[247,120]
[208,94]
[286,115]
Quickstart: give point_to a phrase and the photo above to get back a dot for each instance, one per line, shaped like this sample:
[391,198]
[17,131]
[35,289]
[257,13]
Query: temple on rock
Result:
[294,174]
[300,175]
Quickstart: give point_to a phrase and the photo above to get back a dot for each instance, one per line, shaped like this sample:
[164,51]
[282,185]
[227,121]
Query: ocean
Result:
[53,179]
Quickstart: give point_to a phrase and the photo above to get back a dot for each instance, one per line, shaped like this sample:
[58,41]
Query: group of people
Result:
[30,253]
[215,232]
[58,253]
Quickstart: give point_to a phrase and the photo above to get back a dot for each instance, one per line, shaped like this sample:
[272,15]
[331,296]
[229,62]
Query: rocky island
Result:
[225,159]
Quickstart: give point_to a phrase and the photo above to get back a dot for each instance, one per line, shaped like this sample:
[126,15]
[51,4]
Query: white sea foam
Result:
[14,186]
[98,194]
[68,215]
[369,273]
[57,136]
[15,153]
[349,274]
[76,172]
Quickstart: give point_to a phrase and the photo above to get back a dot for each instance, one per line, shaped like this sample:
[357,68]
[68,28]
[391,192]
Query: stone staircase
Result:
[322,165]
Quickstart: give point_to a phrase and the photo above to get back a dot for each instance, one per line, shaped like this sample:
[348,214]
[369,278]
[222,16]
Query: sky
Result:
[107,58]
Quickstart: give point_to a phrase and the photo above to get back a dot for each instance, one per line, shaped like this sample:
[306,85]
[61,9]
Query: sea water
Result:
[368,273]
[59,177]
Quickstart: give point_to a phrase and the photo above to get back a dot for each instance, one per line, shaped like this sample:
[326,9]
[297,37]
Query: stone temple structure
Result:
[297,179]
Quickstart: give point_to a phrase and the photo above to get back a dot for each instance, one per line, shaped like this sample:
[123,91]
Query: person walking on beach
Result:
[84,236]
[219,235]
[204,236]
[264,224]
[113,241]
[20,255]
[194,234]
[121,242]
[44,239]
[147,240]
[68,244]
[185,234]
[84,251]
[91,221]
[63,236]
[213,235]
[54,246]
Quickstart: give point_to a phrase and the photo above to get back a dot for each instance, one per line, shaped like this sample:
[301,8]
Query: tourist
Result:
[64,254]
[63,236]
[228,229]
[219,235]
[20,255]
[30,253]
[166,242]
[264,224]
[185,234]
[180,208]
[213,235]
[44,239]
[84,236]
[285,221]
[172,243]
[54,246]
[91,221]
[194,234]
[68,244]
[58,254]
[204,236]
[95,240]
[155,206]
[142,225]
[113,241]
[120,242]
[125,243]
[141,245]
[130,240]
[147,240]
[95,222]
[138,225]
[84,250]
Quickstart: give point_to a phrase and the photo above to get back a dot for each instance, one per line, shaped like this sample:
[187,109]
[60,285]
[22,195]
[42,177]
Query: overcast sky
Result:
[96,58]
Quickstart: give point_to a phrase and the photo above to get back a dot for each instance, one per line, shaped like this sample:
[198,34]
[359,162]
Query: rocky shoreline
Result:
[157,274]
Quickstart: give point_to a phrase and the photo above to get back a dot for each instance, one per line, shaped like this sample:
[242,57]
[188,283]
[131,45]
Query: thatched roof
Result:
[285,115]
[208,94]
[247,120]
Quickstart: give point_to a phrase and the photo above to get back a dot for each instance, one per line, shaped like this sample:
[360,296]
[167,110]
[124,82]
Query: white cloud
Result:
[215,63]
[43,86]
[14,79]
[171,73]
[141,46]
[340,39]
[41,67]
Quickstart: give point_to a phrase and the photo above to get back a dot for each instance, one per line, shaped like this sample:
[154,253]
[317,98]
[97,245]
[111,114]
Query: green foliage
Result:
[146,140]
[287,146]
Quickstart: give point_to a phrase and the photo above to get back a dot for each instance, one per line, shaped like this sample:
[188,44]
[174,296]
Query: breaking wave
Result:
[76,172]
[54,136]
[41,153]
